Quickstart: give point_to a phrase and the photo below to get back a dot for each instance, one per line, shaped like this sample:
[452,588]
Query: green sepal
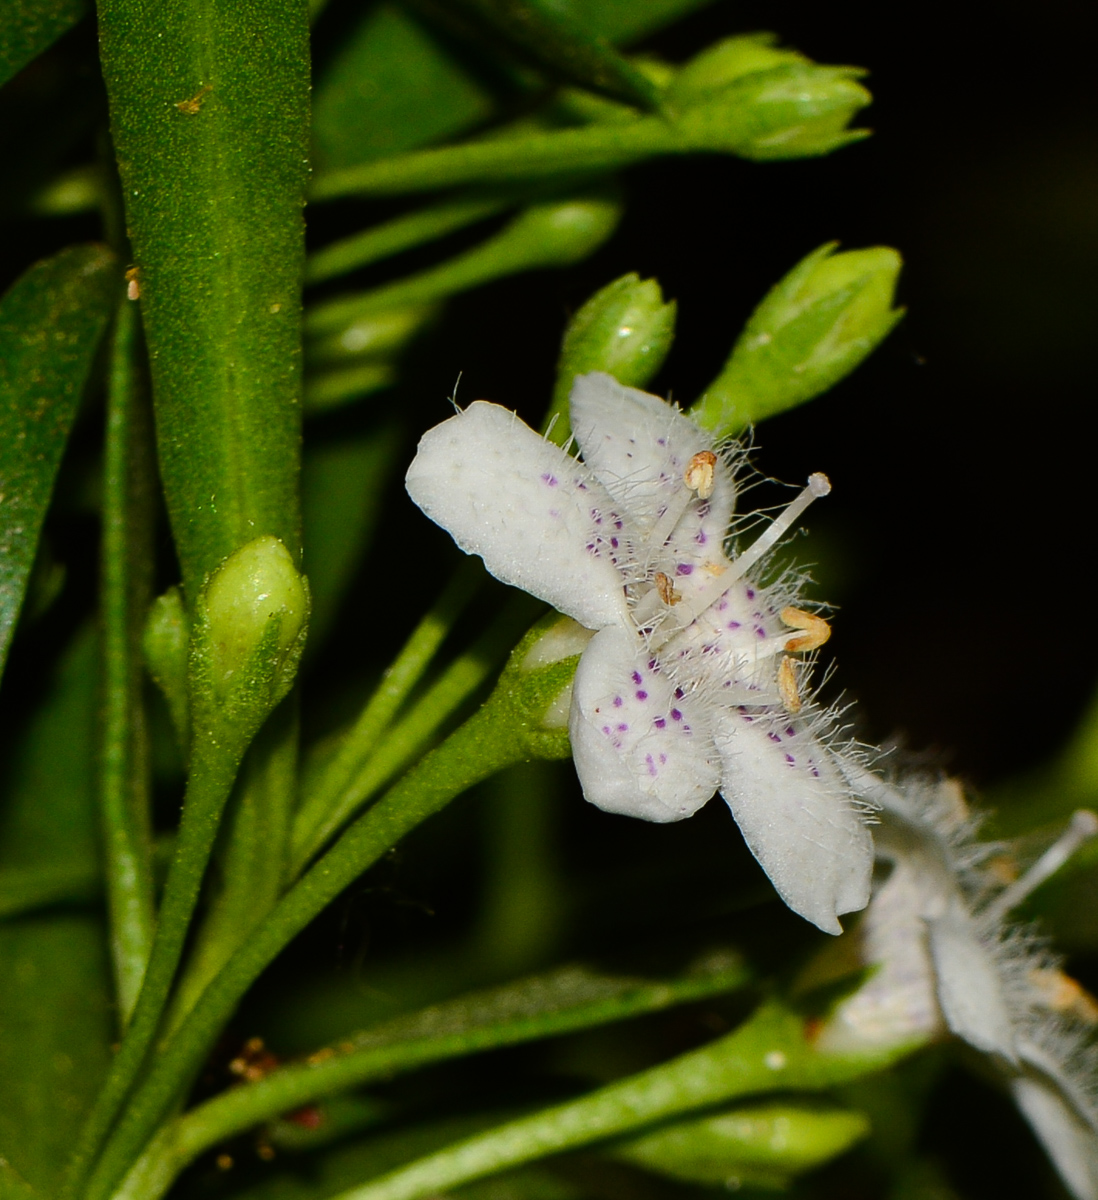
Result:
[166,643]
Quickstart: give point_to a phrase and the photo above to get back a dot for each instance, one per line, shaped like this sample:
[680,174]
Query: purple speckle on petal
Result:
[661,441]
[703,510]
[606,729]
[623,729]
[759,631]
[663,758]
[789,731]
[722,606]
[617,525]
[815,773]
[684,569]
[679,693]
[774,737]
[555,512]
[733,624]
[652,665]
[659,722]
[700,537]
[637,677]
[790,759]
[614,542]
[650,763]
[617,702]
[676,715]
[642,695]
[750,593]
[551,480]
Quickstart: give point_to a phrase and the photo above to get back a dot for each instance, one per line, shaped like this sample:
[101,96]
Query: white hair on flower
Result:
[692,680]
[947,962]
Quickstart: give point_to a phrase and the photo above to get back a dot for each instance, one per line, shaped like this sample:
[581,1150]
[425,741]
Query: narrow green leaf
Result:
[550,1005]
[27,27]
[392,87]
[55,1031]
[23,889]
[126,588]
[51,321]
[628,20]
[55,1018]
[553,37]
[209,114]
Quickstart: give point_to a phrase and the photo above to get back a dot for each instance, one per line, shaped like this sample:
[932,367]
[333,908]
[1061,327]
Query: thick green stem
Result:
[482,746]
[126,574]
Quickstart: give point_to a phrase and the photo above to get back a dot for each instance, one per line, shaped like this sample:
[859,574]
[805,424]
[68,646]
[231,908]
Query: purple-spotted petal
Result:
[795,813]
[638,750]
[639,447]
[537,518]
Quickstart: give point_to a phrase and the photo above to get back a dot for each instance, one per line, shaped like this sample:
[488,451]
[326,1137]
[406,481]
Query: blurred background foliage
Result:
[962,449]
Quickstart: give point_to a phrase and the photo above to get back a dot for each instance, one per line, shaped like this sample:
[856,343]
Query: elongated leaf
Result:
[51,322]
[27,27]
[55,1020]
[209,112]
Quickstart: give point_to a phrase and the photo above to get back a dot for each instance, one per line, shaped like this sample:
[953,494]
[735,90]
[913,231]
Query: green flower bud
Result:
[373,335]
[794,111]
[810,330]
[727,61]
[250,624]
[624,329]
[557,232]
[165,641]
[765,1146]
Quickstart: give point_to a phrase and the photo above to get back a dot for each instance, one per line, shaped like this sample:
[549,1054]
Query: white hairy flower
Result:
[948,963]
[689,684]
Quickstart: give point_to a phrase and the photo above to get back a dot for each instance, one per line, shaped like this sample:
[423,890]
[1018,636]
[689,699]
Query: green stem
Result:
[213,767]
[540,155]
[125,571]
[316,819]
[767,1053]
[465,1026]
[366,771]
[251,863]
[483,745]
[547,234]
[403,233]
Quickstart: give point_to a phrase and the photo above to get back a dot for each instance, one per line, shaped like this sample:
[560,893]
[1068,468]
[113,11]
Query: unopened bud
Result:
[556,233]
[250,626]
[811,329]
[624,329]
[799,110]
[165,641]
[729,60]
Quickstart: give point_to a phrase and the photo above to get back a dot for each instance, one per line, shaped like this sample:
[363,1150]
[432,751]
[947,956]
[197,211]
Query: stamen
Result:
[816,630]
[818,485]
[787,686]
[666,589]
[1083,826]
[700,475]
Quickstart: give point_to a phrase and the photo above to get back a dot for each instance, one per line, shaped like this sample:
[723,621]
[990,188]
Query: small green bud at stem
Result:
[249,632]
[165,642]
[810,330]
[625,329]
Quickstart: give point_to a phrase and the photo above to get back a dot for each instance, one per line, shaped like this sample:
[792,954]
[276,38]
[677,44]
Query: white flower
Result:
[689,684]
[947,963]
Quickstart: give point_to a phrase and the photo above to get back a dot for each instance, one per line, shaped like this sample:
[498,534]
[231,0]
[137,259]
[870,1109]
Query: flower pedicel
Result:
[691,682]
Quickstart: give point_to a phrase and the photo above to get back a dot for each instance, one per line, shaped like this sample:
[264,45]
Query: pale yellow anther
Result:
[816,629]
[666,589]
[1063,994]
[787,685]
[700,473]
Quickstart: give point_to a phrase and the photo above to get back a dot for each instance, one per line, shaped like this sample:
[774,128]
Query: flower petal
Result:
[795,814]
[639,447]
[638,748]
[538,519]
[970,986]
[1069,1139]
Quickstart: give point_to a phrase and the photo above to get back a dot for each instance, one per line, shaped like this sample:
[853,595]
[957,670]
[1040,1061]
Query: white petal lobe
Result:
[536,517]
[639,447]
[639,749]
[795,814]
